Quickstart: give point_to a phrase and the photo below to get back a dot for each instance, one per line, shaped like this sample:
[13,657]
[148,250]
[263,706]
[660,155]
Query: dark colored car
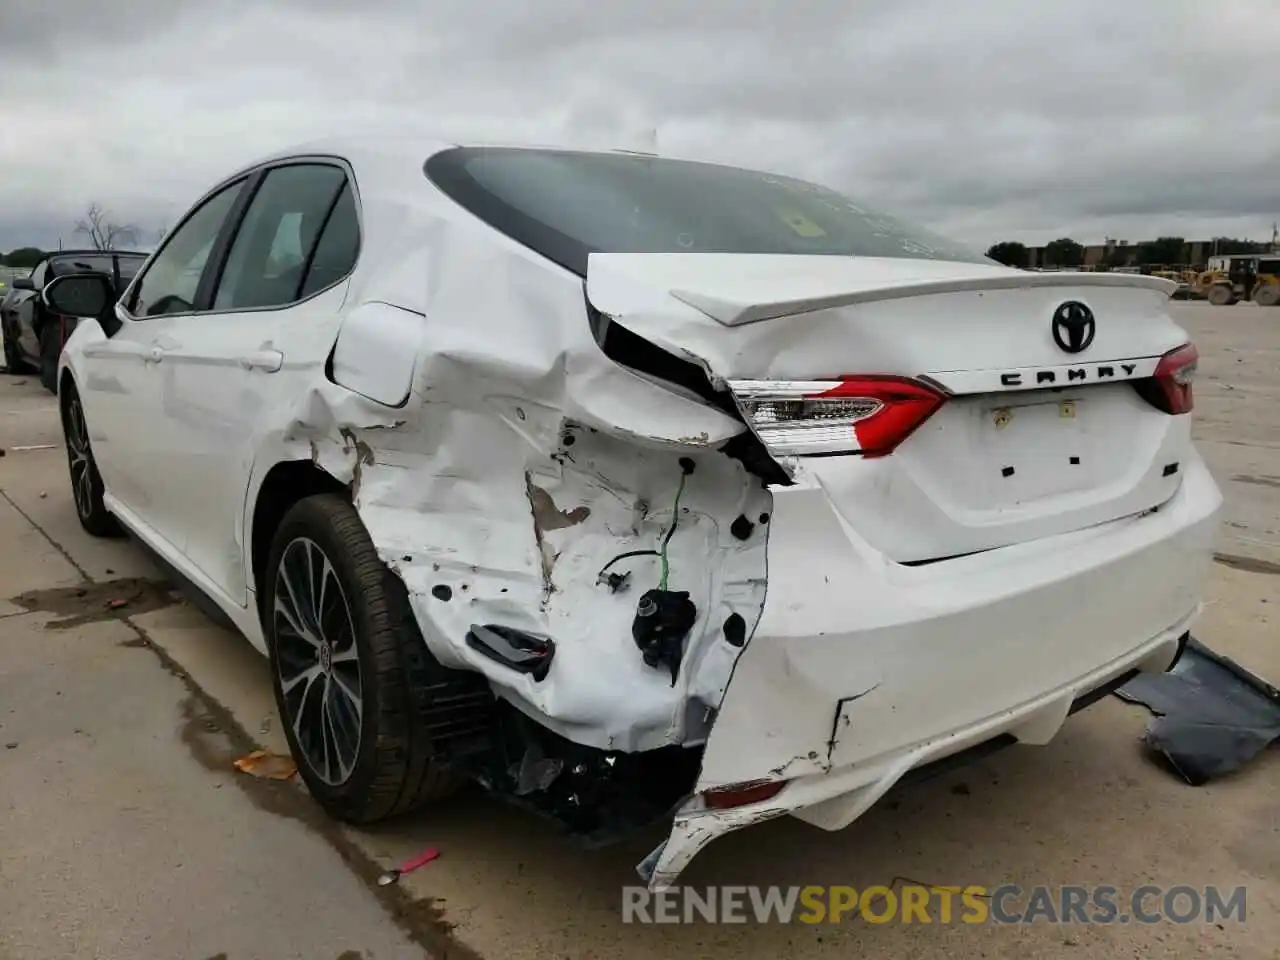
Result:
[33,336]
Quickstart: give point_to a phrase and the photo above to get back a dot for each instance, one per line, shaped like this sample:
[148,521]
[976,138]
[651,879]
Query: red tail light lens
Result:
[868,415]
[1173,378]
[741,794]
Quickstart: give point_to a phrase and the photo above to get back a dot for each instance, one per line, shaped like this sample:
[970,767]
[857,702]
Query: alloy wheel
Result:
[317,661]
[80,458]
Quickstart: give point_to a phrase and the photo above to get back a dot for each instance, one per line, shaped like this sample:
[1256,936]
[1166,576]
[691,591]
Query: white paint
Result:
[493,448]
[377,352]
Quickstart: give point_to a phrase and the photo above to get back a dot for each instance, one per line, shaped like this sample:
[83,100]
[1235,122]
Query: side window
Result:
[39,274]
[170,282]
[269,256]
[337,248]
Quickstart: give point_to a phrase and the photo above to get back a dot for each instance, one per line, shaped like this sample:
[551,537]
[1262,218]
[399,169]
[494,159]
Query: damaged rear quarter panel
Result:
[523,462]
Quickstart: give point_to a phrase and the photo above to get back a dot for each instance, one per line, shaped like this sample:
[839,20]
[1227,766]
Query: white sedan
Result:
[638,489]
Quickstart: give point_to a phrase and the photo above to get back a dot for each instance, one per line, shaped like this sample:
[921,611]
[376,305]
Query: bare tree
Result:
[104,233]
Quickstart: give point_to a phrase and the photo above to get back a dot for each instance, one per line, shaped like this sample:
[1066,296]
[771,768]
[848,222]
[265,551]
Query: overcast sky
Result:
[985,119]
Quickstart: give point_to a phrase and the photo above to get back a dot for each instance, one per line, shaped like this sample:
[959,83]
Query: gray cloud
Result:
[986,120]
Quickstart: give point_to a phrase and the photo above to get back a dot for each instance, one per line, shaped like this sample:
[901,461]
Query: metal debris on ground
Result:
[1211,715]
[267,766]
[421,860]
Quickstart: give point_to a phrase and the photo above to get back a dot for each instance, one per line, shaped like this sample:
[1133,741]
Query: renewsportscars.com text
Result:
[918,903]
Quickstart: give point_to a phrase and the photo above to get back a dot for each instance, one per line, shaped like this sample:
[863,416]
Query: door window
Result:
[337,248]
[170,282]
[268,260]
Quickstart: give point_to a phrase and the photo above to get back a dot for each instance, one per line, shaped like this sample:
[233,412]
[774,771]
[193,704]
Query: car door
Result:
[228,376]
[129,428]
[26,311]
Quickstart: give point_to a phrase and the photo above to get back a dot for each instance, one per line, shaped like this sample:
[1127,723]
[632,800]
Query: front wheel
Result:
[353,678]
[86,483]
[1220,296]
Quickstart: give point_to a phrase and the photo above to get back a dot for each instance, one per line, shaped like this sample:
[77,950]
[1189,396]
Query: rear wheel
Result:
[1221,296]
[350,668]
[1267,296]
[86,482]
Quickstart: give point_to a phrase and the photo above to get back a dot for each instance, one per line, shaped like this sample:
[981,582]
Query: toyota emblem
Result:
[1073,327]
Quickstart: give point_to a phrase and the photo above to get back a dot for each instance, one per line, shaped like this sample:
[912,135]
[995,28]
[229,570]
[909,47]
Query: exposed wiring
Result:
[675,520]
[686,468]
[624,556]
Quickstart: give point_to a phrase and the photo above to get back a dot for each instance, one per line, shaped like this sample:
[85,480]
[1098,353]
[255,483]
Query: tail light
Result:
[1170,385]
[741,794]
[866,415]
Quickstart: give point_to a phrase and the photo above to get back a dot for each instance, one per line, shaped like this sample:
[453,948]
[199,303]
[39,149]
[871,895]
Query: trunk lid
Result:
[1033,439]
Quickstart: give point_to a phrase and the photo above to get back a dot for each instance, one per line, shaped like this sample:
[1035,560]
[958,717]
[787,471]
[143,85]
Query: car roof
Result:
[419,146]
[58,254]
[387,151]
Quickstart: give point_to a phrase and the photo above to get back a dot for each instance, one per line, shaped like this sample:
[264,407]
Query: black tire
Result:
[86,482]
[1267,296]
[1221,296]
[391,769]
[50,338]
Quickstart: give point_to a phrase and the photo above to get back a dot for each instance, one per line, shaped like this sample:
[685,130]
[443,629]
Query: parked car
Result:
[638,489]
[33,335]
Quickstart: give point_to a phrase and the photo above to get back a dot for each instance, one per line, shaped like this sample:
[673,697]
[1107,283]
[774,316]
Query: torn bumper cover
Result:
[819,722]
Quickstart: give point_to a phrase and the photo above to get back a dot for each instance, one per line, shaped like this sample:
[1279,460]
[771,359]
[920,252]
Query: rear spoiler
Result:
[734,313]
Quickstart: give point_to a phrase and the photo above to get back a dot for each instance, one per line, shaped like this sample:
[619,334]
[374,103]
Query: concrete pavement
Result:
[126,832]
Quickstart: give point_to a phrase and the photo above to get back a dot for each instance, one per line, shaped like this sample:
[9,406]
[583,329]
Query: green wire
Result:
[675,516]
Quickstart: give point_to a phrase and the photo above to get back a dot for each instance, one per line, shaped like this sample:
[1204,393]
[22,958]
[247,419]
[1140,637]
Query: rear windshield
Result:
[566,205]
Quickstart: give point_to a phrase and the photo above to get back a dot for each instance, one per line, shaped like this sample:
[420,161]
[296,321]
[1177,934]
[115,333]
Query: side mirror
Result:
[86,296]
[23,283]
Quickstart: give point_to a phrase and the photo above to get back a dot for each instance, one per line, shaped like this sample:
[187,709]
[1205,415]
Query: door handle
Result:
[153,355]
[268,361]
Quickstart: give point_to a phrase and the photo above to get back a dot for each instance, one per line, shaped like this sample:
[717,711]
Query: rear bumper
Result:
[862,671]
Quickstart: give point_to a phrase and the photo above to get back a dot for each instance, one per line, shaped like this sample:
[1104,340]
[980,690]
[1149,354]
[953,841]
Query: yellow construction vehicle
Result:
[1250,276]
[1184,278]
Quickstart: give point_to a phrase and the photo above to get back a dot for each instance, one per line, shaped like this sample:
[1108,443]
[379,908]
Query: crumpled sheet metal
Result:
[1211,715]
[524,461]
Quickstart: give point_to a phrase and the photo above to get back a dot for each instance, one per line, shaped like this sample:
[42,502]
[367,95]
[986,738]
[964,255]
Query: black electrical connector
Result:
[663,619]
